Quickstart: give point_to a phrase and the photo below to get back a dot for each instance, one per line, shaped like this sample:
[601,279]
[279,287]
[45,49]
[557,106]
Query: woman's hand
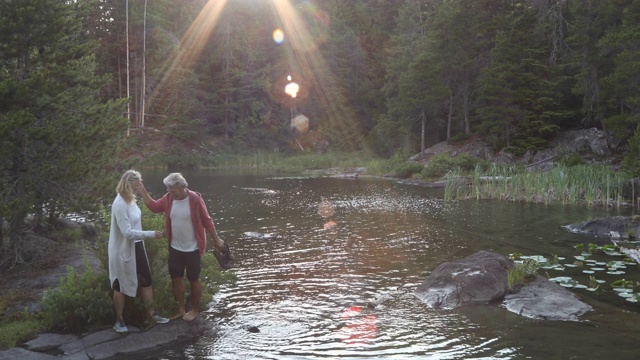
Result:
[159,234]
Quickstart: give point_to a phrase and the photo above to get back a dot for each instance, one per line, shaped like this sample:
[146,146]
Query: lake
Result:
[313,251]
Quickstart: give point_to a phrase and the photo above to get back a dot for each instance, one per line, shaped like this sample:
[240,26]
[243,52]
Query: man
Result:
[186,219]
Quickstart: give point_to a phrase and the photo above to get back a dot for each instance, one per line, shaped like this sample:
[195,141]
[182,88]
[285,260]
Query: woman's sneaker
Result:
[120,327]
[159,319]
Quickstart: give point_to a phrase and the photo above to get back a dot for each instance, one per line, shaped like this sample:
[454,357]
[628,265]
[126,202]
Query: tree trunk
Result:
[128,90]
[450,116]
[144,58]
[1,234]
[424,132]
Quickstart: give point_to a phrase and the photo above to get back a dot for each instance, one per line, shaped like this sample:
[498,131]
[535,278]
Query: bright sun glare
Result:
[308,59]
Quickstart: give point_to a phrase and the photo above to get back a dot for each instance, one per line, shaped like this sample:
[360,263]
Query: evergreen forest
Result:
[79,78]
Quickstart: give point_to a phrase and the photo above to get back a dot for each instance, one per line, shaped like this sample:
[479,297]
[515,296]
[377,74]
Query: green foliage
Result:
[51,105]
[14,332]
[622,126]
[79,302]
[439,165]
[406,169]
[590,184]
[571,160]
[17,326]
[68,234]
[631,162]
[520,273]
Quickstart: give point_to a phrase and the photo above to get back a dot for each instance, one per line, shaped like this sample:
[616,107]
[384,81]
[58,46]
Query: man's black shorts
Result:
[179,261]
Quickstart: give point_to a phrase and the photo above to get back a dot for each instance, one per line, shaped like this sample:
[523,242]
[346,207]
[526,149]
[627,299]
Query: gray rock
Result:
[153,339]
[48,341]
[107,344]
[616,227]
[24,354]
[478,279]
[545,300]
[482,279]
[91,340]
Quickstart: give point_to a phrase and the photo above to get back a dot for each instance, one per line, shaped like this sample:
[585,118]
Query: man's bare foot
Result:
[190,315]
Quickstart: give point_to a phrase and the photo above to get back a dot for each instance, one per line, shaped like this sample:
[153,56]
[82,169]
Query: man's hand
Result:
[219,244]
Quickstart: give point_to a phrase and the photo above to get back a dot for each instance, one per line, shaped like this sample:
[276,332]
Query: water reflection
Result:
[300,283]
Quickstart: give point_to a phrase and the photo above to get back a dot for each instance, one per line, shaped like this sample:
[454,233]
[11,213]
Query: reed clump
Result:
[590,184]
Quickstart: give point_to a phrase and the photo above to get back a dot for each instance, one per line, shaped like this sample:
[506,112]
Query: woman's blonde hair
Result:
[124,187]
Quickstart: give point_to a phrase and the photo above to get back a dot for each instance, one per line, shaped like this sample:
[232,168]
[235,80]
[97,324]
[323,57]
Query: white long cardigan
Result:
[126,227]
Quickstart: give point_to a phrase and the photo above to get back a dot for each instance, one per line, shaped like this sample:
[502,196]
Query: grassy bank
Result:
[590,184]
[277,161]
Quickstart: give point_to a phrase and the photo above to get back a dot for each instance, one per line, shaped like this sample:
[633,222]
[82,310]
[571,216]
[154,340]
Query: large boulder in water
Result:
[478,279]
[482,279]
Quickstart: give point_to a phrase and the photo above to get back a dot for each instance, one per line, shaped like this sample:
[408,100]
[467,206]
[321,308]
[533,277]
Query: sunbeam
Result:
[191,43]
[316,71]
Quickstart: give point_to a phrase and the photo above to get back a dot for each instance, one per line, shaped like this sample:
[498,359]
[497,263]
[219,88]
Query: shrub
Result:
[572,160]
[16,326]
[441,164]
[407,169]
[80,301]
[70,235]
[13,332]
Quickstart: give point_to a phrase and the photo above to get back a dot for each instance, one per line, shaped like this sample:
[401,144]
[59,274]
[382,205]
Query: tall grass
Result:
[590,184]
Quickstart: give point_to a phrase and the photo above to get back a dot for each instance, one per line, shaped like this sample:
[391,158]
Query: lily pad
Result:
[622,290]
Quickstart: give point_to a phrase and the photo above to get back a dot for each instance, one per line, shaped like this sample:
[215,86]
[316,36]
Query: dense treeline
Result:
[380,75]
[385,75]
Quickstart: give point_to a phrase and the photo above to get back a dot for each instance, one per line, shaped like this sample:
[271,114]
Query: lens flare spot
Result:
[278,36]
[326,209]
[300,123]
[292,88]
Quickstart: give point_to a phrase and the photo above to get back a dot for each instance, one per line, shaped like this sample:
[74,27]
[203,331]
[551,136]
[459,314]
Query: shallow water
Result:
[313,251]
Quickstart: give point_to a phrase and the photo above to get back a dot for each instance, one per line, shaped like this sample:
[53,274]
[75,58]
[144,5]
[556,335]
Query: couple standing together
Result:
[186,220]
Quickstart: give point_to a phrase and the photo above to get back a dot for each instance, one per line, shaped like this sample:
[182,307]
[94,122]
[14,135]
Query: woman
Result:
[127,255]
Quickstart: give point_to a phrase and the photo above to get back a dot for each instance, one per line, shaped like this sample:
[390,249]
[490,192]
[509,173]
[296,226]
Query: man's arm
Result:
[153,205]
[217,241]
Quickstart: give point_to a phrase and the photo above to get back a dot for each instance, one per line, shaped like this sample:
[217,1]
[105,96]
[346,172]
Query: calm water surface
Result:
[313,251]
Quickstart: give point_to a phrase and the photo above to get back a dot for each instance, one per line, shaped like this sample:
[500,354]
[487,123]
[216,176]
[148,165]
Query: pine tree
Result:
[59,138]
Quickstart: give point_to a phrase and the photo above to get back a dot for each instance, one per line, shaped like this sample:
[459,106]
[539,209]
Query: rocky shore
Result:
[108,344]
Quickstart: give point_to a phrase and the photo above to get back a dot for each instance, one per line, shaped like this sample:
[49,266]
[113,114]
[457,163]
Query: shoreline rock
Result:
[107,344]
[481,279]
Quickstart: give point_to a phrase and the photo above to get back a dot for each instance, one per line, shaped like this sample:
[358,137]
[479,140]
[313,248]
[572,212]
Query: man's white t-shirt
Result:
[183,237]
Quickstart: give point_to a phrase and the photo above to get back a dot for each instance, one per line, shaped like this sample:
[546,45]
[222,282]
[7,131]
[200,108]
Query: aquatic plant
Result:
[590,184]
[520,272]
[592,263]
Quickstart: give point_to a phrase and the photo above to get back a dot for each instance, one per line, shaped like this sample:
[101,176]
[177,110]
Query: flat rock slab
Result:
[19,353]
[107,344]
[46,342]
[545,300]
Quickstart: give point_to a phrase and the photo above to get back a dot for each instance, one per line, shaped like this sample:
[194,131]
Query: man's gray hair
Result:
[175,179]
